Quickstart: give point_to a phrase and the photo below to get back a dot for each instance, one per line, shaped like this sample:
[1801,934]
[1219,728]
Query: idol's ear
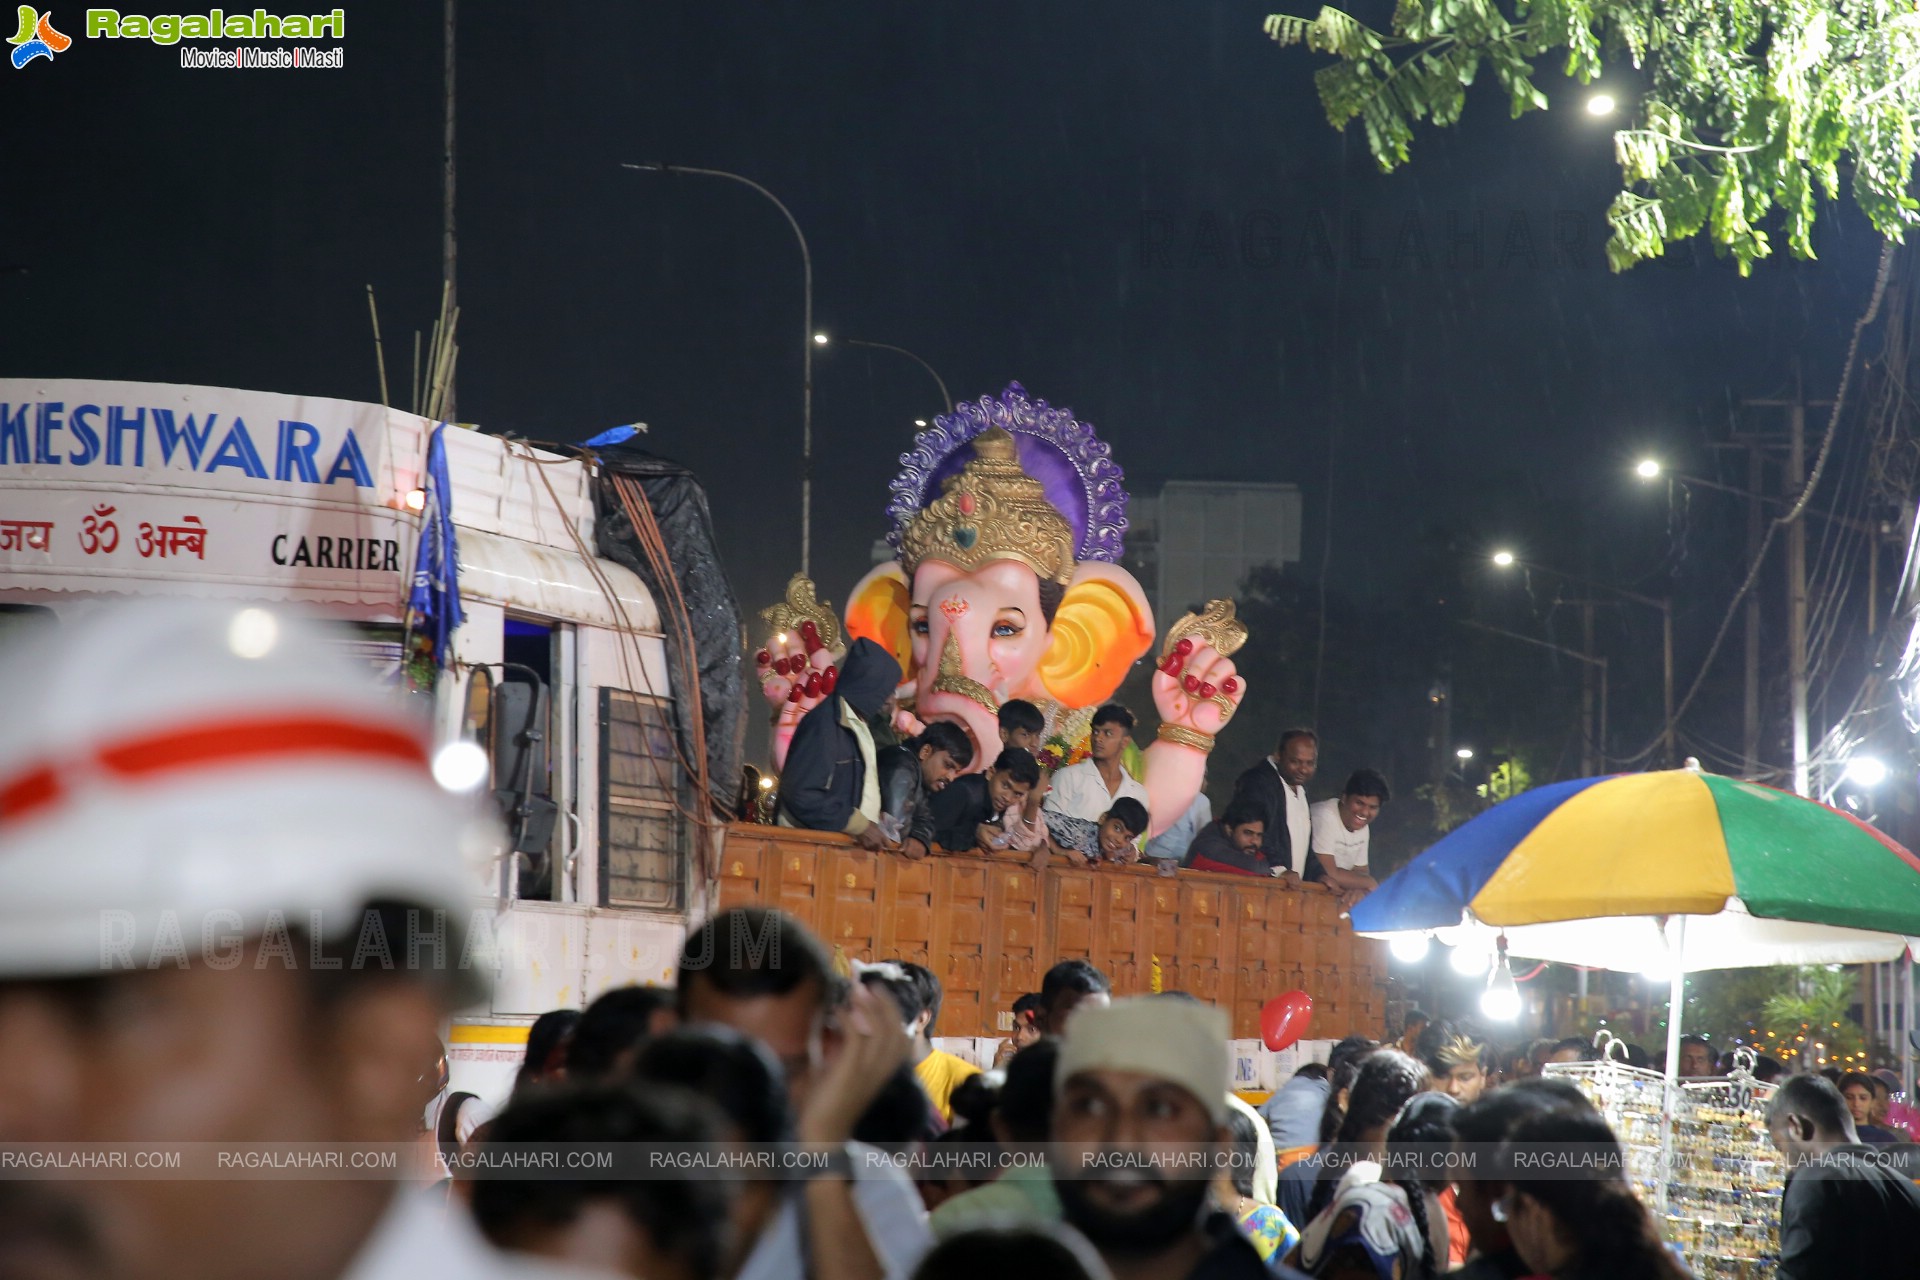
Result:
[1101,628]
[877,609]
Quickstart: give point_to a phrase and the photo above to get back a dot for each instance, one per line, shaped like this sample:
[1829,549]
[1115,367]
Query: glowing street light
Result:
[1648,469]
[1504,559]
[1866,771]
[1464,753]
[819,339]
[1601,104]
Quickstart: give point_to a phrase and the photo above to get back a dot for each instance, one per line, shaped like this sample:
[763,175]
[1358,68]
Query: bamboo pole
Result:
[379,352]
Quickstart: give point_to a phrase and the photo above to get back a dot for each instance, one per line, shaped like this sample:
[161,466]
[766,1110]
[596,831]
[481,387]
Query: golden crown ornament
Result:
[992,510]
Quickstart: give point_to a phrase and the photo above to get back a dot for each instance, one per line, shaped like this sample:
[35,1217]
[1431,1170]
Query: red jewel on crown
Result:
[967,504]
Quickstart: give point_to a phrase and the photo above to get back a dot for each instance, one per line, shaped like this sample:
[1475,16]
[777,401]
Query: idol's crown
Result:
[992,510]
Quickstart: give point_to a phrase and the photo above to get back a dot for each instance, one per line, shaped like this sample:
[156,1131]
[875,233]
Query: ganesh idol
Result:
[1007,526]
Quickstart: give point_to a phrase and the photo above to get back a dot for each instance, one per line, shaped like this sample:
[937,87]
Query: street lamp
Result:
[1464,753]
[1648,469]
[1504,559]
[1601,104]
[940,382]
[809,339]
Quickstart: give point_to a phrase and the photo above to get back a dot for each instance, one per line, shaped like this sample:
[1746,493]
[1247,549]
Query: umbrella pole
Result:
[1676,1001]
[1908,1045]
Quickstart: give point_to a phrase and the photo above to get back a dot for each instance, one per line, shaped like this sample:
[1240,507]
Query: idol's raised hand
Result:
[1197,688]
[797,668]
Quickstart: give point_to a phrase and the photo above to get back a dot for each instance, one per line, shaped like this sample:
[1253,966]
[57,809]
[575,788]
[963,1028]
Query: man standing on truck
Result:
[212,832]
[832,781]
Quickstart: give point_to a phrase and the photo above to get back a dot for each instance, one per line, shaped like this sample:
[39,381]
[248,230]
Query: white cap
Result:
[1178,1040]
[177,765]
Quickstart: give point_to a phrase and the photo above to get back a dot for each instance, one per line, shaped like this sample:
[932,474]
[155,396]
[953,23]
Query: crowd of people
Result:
[1350,1170]
[179,776]
[1094,811]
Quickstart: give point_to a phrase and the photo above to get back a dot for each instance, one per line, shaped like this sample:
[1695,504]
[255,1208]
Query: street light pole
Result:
[806,343]
[1575,654]
[1665,606]
[888,346]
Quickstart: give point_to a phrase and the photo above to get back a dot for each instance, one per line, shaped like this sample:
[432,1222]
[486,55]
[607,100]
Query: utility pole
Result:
[1440,725]
[1750,737]
[1795,480]
[449,255]
[1589,659]
[1591,757]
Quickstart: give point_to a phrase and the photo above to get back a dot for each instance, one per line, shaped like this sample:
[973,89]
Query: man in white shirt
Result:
[1086,791]
[1341,836]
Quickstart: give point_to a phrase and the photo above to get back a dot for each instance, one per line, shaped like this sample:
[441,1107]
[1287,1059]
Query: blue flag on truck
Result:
[435,600]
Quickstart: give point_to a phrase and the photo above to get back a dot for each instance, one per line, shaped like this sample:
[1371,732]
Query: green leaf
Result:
[1748,105]
[1729,220]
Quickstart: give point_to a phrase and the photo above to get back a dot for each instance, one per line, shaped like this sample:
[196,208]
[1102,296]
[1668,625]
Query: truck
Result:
[560,669]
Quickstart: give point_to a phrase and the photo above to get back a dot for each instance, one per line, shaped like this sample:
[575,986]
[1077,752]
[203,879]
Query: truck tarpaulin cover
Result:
[686,526]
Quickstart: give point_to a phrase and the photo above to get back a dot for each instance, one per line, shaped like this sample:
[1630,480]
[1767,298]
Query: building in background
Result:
[1190,541]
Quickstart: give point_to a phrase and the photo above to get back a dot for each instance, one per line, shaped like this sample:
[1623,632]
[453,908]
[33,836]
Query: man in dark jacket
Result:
[1278,784]
[910,774]
[967,814]
[831,782]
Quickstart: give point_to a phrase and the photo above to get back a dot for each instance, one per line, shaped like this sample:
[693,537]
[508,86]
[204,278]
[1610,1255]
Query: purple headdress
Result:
[1070,462]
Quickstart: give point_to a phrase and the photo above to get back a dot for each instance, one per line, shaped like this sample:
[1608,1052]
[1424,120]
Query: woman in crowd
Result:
[1386,1080]
[1259,1221]
[1385,1221]
[1582,1228]
[547,1043]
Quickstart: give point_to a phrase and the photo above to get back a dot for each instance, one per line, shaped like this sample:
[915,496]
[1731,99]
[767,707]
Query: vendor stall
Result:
[1671,871]
[1722,1179]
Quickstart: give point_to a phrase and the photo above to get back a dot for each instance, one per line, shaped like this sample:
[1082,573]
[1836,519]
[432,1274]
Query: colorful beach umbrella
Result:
[1589,872]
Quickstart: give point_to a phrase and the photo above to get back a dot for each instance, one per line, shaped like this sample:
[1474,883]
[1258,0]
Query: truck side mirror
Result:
[520,767]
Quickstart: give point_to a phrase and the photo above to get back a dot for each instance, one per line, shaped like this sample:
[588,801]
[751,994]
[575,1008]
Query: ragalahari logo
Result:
[37,38]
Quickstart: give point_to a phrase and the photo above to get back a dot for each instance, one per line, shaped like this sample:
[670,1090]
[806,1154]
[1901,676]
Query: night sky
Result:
[1136,209]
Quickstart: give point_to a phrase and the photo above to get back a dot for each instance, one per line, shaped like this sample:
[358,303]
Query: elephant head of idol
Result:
[1007,524]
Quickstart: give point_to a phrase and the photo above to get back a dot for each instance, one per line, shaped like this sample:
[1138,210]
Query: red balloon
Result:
[1285,1018]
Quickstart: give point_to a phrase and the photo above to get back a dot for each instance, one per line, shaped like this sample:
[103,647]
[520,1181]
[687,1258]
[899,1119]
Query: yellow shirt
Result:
[940,1074]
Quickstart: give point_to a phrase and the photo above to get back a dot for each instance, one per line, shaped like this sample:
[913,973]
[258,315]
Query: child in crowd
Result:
[1114,838]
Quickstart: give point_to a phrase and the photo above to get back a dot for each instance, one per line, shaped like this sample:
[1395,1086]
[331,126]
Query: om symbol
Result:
[98,532]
